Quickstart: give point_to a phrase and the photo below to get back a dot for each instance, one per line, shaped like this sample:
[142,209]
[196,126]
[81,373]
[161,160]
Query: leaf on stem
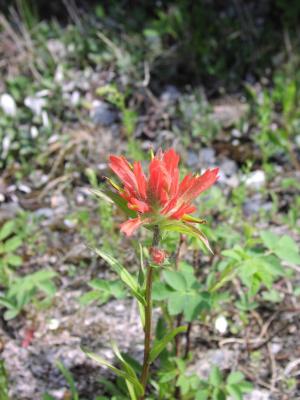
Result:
[124,275]
[161,344]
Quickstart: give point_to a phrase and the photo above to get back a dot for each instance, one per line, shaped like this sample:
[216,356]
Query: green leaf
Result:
[232,253]
[12,244]
[245,386]
[7,229]
[235,392]
[187,229]
[69,378]
[99,284]
[183,383]
[168,376]
[193,304]
[116,371]
[160,291]
[90,297]
[110,196]
[48,287]
[14,260]
[218,394]
[234,377]
[117,289]
[269,239]
[10,314]
[7,303]
[161,344]
[134,386]
[175,279]
[215,376]
[131,390]
[287,250]
[175,303]
[124,275]
[202,395]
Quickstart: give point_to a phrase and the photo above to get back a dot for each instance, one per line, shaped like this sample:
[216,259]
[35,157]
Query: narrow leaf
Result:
[69,378]
[116,371]
[124,275]
[161,344]
[7,229]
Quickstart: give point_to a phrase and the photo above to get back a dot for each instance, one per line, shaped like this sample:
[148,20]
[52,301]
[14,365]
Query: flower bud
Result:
[157,255]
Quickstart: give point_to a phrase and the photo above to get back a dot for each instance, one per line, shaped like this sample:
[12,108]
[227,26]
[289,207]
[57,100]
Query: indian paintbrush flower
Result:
[159,198]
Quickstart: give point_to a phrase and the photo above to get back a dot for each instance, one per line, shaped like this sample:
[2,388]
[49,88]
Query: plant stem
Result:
[179,316]
[148,316]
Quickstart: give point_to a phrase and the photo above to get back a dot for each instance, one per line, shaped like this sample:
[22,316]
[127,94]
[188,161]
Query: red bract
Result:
[159,198]
[157,255]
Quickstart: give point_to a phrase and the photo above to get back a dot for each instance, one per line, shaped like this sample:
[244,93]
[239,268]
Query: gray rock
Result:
[193,159]
[222,358]
[229,112]
[103,114]
[228,167]
[207,157]
[252,205]
[170,94]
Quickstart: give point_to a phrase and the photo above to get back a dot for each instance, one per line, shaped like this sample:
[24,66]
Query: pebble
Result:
[75,98]
[34,132]
[228,167]
[35,104]
[224,359]
[207,157]
[8,105]
[255,180]
[170,94]
[103,114]
[192,159]
[221,324]
[258,394]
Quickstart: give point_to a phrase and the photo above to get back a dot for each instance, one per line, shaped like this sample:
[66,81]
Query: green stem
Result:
[148,316]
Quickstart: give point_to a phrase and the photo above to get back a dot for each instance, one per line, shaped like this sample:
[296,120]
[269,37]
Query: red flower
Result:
[159,198]
[157,255]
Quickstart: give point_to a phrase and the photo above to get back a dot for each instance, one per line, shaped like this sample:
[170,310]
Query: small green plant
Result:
[102,291]
[10,242]
[259,267]
[24,290]
[118,99]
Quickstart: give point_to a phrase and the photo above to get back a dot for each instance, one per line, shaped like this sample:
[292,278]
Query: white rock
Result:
[35,104]
[5,146]
[45,119]
[53,324]
[256,179]
[258,394]
[59,74]
[8,105]
[34,132]
[24,188]
[75,98]
[221,324]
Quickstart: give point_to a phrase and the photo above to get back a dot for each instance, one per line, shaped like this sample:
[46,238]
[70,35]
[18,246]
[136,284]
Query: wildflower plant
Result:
[160,202]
